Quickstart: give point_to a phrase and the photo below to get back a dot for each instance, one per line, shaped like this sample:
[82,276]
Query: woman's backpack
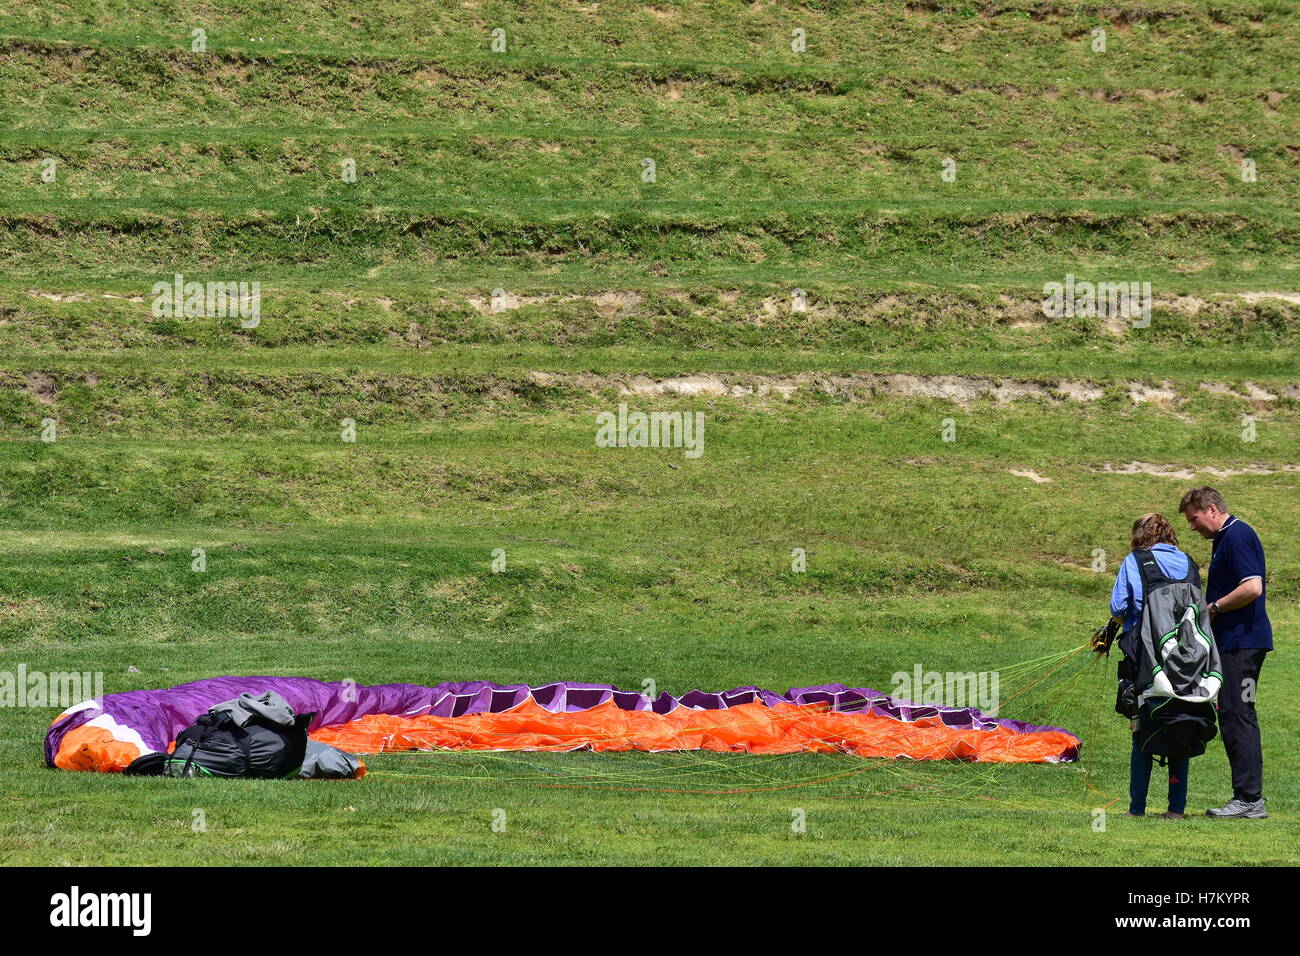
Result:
[1171,664]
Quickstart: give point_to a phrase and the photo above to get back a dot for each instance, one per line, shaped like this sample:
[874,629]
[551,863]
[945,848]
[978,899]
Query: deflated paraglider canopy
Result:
[110,733]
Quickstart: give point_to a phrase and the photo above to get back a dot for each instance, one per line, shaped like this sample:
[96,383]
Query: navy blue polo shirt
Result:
[1235,556]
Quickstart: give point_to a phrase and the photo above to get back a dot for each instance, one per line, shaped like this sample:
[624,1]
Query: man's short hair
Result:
[1200,499]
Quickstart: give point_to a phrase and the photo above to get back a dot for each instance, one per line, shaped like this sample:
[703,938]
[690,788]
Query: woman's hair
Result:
[1153,529]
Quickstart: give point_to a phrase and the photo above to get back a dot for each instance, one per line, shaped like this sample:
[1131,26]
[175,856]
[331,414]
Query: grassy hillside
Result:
[474,410]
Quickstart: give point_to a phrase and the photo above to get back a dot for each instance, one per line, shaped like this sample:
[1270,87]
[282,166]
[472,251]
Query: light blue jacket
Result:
[1126,598]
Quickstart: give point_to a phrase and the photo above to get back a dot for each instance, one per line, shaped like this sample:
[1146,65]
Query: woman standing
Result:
[1155,533]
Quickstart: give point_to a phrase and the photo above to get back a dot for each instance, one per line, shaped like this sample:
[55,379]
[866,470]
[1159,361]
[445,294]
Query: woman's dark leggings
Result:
[1139,780]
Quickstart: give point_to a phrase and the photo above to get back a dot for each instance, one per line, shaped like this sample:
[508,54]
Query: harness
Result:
[1153,576]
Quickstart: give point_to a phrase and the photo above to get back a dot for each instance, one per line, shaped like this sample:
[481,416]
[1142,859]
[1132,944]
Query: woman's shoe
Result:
[1170,815]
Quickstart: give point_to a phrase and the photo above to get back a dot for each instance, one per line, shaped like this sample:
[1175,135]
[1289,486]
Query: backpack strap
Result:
[210,723]
[1152,576]
[210,726]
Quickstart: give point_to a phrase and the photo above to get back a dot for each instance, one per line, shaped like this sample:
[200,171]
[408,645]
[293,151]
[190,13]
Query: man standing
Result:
[1235,592]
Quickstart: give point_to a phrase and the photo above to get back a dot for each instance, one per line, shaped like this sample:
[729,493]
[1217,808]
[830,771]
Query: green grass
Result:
[526,167]
[370,562]
[521,171]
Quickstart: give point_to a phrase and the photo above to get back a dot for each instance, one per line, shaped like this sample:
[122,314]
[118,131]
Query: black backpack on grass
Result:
[246,737]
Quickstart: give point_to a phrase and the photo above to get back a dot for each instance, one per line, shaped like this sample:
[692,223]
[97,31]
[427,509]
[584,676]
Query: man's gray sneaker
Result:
[1236,809]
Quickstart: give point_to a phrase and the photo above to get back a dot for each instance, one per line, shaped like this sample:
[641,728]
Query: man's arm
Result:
[1240,596]
[1245,560]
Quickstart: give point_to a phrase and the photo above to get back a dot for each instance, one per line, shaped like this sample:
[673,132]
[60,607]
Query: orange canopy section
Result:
[753,728]
[95,748]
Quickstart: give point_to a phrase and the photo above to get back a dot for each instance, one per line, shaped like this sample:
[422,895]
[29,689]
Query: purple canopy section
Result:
[159,715]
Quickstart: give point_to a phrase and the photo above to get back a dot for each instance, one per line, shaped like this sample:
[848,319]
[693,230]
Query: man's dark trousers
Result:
[1238,722]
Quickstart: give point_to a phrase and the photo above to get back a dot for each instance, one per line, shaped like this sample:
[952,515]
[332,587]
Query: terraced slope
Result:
[434,341]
